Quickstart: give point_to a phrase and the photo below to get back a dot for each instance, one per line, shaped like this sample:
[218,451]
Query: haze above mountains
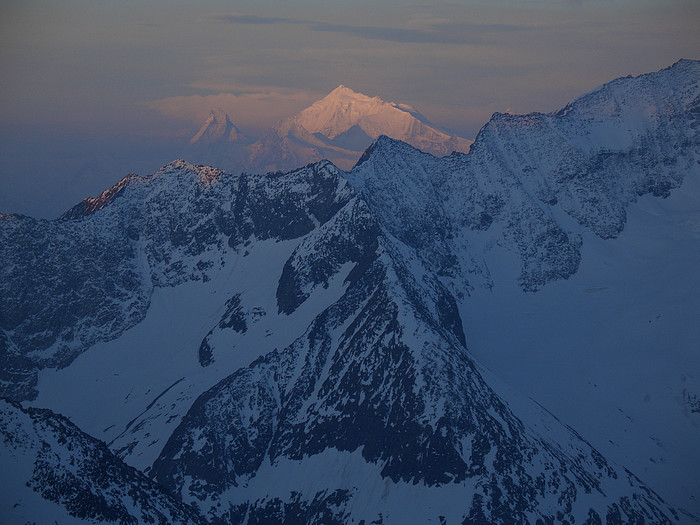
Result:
[339,127]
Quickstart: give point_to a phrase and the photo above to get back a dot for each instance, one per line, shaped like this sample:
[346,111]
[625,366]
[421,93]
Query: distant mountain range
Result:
[338,128]
[317,346]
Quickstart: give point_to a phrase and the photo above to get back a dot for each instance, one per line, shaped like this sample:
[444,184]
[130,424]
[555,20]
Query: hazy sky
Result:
[90,90]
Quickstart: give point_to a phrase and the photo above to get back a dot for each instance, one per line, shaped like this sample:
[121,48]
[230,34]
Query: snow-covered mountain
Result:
[338,128]
[217,128]
[59,473]
[219,142]
[301,346]
[341,126]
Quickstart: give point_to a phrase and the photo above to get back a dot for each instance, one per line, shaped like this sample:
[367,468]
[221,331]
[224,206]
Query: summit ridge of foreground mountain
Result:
[300,347]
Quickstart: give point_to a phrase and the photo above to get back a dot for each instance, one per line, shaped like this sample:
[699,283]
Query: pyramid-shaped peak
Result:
[385,146]
[217,128]
[344,108]
[219,115]
[342,89]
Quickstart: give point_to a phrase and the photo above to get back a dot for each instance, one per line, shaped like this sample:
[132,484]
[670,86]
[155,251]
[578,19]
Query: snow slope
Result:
[617,342]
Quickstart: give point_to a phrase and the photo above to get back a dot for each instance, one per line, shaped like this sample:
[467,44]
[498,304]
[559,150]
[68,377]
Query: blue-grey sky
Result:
[91,90]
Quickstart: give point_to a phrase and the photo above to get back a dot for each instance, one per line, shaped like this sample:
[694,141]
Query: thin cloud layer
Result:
[436,32]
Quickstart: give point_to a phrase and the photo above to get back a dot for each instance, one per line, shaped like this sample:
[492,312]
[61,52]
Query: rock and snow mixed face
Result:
[381,392]
[292,346]
[52,471]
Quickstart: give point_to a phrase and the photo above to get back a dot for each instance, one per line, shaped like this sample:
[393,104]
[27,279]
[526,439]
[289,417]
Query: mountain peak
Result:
[217,128]
[383,145]
[344,111]
[217,113]
[206,175]
[337,112]
[344,92]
